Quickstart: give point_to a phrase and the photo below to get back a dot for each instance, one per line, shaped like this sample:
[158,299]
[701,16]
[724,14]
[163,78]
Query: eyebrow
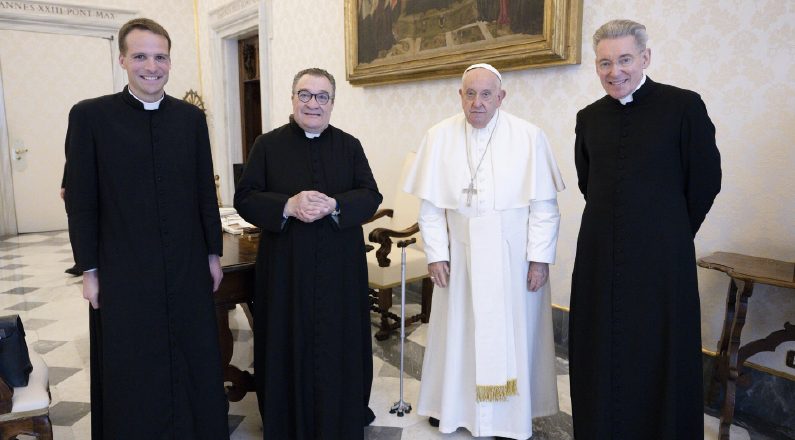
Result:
[622,55]
[152,54]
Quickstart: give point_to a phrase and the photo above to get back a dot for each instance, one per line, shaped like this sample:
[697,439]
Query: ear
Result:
[121,60]
[501,96]
[646,57]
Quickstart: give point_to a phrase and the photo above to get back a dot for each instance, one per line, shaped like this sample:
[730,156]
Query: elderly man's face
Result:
[619,64]
[147,63]
[481,96]
[312,116]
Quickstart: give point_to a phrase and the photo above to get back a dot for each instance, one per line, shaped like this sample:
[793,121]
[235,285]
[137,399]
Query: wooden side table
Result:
[237,287]
[745,271]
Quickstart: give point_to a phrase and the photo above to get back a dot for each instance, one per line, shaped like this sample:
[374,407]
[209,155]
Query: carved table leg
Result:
[225,340]
[721,360]
[384,303]
[241,381]
[745,289]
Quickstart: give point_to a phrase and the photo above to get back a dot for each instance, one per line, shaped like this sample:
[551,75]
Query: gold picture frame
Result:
[391,41]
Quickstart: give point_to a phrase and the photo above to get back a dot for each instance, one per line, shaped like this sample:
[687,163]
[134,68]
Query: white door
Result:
[43,76]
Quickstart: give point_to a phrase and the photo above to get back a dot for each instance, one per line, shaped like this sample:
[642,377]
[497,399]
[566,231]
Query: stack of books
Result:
[232,223]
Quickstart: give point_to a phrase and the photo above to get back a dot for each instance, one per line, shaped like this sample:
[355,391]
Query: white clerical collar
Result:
[627,99]
[148,105]
[485,130]
[311,135]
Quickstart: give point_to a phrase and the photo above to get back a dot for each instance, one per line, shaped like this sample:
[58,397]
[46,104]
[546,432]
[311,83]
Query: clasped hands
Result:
[309,206]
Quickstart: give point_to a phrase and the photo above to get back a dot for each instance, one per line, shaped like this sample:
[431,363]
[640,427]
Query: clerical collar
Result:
[311,135]
[148,105]
[627,99]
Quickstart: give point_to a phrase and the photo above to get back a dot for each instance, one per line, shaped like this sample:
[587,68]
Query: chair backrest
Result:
[407,206]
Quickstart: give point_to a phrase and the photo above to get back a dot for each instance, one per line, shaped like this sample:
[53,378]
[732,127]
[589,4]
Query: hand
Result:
[440,273]
[91,288]
[309,206]
[537,276]
[215,271]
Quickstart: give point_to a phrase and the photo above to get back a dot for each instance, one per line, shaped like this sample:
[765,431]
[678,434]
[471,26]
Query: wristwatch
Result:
[336,210]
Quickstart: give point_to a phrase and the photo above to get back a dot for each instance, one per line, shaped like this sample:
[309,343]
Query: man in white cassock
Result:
[489,219]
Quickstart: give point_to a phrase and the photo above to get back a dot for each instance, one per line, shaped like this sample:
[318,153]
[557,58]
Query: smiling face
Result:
[481,96]
[619,64]
[311,116]
[147,63]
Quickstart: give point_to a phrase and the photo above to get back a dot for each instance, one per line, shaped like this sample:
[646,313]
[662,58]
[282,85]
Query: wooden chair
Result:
[383,265]
[26,410]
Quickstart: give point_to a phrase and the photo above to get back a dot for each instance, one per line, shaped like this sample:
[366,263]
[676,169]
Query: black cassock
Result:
[312,340]
[649,171]
[143,211]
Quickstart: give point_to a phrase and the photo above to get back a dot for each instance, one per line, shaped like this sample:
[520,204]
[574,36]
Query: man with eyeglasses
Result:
[489,219]
[309,187]
[649,169]
[145,231]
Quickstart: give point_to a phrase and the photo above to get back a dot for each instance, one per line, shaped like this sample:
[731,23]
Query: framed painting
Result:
[389,41]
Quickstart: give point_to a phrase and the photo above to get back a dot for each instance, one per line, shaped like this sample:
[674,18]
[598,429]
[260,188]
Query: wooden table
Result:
[744,271]
[237,287]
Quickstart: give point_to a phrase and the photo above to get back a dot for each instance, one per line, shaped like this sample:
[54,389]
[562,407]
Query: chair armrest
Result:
[6,397]
[383,237]
[380,213]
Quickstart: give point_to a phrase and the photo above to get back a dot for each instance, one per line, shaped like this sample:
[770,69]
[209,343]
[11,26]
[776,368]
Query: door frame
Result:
[53,18]
[227,24]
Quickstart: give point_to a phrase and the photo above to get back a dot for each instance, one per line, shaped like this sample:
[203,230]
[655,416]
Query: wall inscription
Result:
[56,10]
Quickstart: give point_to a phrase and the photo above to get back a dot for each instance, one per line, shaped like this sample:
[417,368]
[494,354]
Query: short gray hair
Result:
[621,28]
[316,71]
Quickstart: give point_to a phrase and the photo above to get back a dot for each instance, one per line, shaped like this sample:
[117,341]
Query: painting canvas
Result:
[404,40]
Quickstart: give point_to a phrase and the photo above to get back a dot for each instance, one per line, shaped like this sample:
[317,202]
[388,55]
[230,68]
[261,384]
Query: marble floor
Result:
[33,284]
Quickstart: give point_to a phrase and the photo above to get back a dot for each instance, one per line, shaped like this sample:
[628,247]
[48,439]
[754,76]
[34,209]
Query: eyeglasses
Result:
[322,98]
[485,96]
[623,61]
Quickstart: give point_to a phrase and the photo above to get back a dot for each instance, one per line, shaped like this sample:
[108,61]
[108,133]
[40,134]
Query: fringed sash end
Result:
[496,393]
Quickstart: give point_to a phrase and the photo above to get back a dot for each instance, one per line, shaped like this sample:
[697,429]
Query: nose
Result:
[313,102]
[150,63]
[478,101]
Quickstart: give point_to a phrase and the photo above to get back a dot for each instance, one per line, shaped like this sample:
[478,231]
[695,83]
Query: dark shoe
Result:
[74,271]
[434,422]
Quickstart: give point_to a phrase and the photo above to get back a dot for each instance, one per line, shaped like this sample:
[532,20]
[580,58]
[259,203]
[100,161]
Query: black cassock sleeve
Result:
[700,160]
[82,198]
[361,202]
[581,157]
[252,199]
[205,186]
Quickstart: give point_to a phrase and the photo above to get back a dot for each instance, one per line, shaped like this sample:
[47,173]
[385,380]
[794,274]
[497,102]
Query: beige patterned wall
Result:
[739,55]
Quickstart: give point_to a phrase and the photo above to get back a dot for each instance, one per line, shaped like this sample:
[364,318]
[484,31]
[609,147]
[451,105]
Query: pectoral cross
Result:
[469,191]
